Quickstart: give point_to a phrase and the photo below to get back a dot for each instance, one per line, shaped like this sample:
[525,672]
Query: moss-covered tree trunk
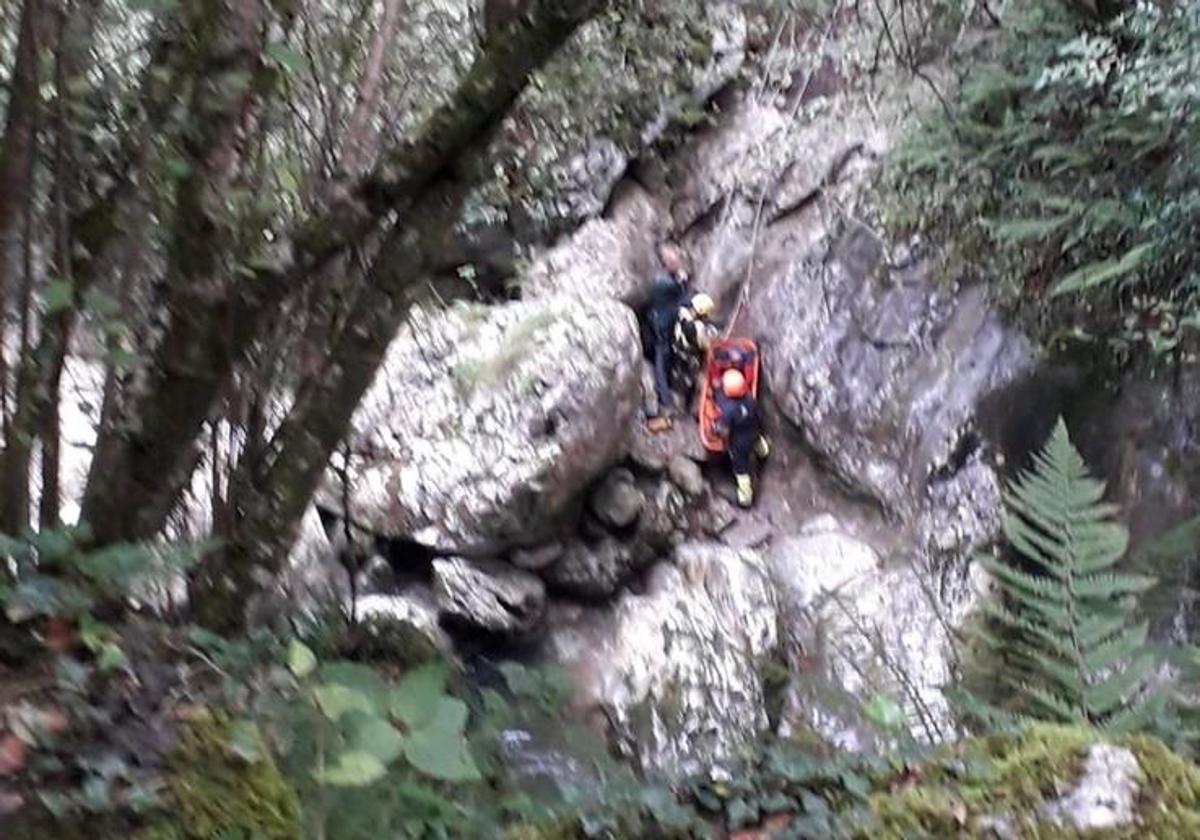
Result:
[419,179]
[143,453]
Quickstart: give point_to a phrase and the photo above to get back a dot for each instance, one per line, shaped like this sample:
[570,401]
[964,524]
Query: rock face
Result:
[486,423]
[882,377]
[678,668]
[617,502]
[630,75]
[860,627]
[612,256]
[489,596]
[1104,797]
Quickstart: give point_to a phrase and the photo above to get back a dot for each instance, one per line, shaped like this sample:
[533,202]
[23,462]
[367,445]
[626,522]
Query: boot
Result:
[745,491]
[763,448]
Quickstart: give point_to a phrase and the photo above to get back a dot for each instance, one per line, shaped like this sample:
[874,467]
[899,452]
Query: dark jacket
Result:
[740,418]
[668,293]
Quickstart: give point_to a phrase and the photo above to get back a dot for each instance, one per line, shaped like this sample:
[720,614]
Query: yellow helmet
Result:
[703,305]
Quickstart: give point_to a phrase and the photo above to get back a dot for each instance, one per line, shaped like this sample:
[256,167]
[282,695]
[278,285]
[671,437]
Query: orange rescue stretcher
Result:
[722,355]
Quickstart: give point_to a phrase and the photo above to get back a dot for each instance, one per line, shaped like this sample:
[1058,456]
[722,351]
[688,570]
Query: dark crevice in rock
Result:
[411,562]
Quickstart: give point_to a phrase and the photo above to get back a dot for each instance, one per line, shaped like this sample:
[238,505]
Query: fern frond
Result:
[1065,626]
[1111,695]
[1052,707]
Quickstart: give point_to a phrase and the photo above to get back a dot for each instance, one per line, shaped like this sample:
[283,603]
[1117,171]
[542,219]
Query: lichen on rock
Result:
[1036,783]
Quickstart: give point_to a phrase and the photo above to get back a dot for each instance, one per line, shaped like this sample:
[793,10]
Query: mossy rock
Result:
[1010,778]
[213,794]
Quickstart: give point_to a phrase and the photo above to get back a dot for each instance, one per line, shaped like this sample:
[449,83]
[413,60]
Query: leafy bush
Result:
[57,575]
[1066,632]
[1067,168]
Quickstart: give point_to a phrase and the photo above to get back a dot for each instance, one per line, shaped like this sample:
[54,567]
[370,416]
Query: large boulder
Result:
[486,423]
[857,627]
[677,670]
[488,596]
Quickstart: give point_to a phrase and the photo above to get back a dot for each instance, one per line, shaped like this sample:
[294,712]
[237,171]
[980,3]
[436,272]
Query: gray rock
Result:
[863,622]
[613,256]
[534,559]
[489,596]
[667,513]
[883,380]
[654,451]
[617,502]
[486,423]
[413,608]
[562,155]
[748,532]
[1105,797]
[592,571]
[687,476]
[376,575]
[677,669]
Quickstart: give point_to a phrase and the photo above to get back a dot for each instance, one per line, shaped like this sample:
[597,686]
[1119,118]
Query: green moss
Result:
[562,830]
[213,794]
[1011,777]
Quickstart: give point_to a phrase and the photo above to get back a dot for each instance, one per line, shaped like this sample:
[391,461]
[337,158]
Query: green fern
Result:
[1065,623]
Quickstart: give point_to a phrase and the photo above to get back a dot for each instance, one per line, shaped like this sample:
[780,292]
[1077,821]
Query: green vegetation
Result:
[962,792]
[1067,641]
[215,793]
[1066,172]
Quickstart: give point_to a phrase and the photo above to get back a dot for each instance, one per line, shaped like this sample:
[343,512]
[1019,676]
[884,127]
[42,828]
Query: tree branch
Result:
[421,178]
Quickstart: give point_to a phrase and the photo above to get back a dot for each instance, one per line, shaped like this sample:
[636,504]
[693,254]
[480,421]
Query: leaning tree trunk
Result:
[274,492]
[186,370]
[139,469]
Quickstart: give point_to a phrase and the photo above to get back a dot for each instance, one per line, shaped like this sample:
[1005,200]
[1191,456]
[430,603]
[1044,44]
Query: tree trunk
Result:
[187,369]
[138,470]
[17,161]
[35,408]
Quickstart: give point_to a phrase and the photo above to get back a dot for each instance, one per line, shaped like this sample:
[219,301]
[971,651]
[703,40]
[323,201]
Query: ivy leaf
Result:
[301,660]
[414,701]
[286,57]
[665,808]
[856,785]
[439,749]
[336,700]
[441,755]
[58,296]
[111,658]
[245,741]
[376,736]
[360,678]
[354,768]
[885,713]
[1021,230]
